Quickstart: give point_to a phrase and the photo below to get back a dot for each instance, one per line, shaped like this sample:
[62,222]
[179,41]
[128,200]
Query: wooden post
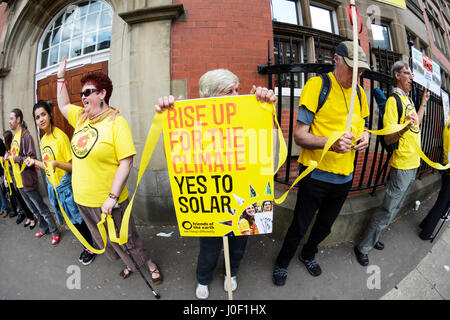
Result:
[355,66]
[226,252]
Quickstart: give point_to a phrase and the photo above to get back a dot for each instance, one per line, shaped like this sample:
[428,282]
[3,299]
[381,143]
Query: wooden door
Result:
[46,90]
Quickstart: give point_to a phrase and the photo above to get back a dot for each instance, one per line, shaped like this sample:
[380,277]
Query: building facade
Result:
[152,48]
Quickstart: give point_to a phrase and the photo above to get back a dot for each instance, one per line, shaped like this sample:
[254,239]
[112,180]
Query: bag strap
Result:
[326,88]
[399,106]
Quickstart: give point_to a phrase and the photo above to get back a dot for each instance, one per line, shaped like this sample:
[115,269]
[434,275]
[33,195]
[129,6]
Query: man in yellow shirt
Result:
[405,160]
[326,187]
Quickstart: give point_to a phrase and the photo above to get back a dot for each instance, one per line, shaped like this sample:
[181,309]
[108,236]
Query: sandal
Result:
[125,273]
[159,279]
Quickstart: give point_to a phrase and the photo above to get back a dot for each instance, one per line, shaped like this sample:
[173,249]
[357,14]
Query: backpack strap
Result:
[358,91]
[399,106]
[324,90]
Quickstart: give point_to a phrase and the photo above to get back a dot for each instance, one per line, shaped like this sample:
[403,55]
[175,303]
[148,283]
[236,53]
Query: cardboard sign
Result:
[426,72]
[445,105]
[220,161]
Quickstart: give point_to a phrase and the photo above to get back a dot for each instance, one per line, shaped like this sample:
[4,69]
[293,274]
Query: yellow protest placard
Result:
[396,3]
[220,161]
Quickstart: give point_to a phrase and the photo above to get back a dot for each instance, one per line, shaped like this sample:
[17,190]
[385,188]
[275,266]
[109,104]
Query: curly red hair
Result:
[100,81]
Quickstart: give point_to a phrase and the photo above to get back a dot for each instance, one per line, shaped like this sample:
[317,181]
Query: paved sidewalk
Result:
[409,268]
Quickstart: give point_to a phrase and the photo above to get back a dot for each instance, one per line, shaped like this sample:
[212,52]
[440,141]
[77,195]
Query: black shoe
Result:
[362,258]
[312,266]
[86,257]
[32,227]
[421,236]
[13,214]
[379,245]
[20,218]
[279,276]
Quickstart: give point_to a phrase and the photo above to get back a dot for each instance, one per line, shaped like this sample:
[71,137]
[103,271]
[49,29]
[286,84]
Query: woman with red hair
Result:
[103,151]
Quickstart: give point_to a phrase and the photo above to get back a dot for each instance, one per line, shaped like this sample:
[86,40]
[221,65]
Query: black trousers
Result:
[18,205]
[440,207]
[312,195]
[210,249]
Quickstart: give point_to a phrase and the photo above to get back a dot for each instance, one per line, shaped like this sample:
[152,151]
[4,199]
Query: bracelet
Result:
[113,196]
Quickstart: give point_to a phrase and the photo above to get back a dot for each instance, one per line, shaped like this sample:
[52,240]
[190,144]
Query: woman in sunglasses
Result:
[103,151]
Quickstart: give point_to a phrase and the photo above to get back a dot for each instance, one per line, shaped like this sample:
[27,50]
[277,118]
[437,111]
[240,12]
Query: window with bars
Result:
[81,28]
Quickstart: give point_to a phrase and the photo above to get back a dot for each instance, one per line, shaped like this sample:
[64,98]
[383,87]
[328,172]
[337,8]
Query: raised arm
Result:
[62,94]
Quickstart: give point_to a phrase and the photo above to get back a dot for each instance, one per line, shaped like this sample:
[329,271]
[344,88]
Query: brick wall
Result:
[221,34]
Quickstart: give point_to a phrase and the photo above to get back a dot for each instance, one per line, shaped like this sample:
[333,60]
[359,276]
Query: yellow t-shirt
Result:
[245,226]
[404,157]
[56,146]
[330,118]
[446,143]
[15,147]
[97,149]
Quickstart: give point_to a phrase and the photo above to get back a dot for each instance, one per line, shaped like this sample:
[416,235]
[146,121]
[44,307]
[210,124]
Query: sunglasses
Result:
[88,92]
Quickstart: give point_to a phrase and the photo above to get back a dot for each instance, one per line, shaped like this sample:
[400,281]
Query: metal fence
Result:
[371,165]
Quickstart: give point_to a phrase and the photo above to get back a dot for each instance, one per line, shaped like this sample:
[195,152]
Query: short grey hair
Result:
[214,81]
[396,67]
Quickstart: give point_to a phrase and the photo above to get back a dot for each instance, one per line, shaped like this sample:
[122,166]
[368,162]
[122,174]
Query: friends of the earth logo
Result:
[83,141]
[47,155]
[15,148]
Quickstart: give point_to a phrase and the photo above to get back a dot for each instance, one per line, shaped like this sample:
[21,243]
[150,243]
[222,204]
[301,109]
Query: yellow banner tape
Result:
[152,139]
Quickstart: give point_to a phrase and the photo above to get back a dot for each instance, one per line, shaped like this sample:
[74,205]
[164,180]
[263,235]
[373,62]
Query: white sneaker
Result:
[233,284]
[201,292]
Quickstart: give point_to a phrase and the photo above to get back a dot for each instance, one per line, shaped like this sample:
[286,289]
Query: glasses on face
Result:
[88,92]
[408,73]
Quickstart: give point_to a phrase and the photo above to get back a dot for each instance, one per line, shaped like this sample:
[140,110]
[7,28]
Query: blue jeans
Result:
[65,197]
[3,203]
[40,210]
[210,249]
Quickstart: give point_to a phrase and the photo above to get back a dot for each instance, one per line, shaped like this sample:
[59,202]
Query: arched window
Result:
[81,29]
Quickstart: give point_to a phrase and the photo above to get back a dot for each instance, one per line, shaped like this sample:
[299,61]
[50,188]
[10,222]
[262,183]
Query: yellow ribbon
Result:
[7,174]
[100,224]
[151,141]
[385,131]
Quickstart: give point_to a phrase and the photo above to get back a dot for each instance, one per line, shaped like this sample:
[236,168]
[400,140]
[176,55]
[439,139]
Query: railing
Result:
[371,165]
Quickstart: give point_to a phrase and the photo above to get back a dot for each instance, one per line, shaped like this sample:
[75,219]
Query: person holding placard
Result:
[405,160]
[326,188]
[216,83]
[103,150]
